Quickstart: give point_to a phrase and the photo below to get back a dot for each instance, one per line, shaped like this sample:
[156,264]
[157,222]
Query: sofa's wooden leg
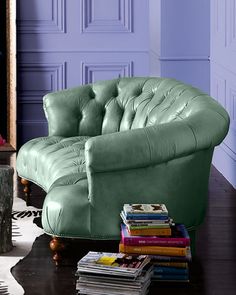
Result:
[26,190]
[57,246]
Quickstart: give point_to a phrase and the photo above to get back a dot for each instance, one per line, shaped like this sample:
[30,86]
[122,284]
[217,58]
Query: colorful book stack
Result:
[148,229]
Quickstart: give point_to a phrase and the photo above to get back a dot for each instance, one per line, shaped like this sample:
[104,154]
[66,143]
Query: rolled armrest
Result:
[155,144]
[59,111]
[63,110]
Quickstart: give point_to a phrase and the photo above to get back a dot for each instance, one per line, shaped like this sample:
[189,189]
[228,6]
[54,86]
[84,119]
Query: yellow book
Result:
[153,250]
[151,232]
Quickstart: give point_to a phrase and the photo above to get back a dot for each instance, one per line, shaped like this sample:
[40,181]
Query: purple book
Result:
[179,238]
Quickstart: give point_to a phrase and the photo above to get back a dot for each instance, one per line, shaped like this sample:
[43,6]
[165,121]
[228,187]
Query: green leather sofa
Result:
[128,140]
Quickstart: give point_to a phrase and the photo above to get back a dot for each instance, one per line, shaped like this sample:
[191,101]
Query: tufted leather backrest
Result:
[122,104]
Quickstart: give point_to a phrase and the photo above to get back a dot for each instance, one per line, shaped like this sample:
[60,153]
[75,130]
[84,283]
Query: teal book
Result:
[170,270]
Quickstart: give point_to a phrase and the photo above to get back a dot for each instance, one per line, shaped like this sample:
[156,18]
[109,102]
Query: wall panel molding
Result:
[56,23]
[23,122]
[219,9]
[218,88]
[43,78]
[231,153]
[232,25]
[184,58]
[232,104]
[22,100]
[67,43]
[119,69]
[89,50]
[123,23]
[180,57]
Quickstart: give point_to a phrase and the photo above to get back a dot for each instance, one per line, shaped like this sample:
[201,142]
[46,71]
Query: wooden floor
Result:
[213,271]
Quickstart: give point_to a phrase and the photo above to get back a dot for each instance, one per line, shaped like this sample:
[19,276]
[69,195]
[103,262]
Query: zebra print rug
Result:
[24,233]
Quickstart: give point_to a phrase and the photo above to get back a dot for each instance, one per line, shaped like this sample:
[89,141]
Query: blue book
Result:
[170,270]
[129,216]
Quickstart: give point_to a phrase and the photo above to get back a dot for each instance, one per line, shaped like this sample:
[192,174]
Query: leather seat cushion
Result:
[45,160]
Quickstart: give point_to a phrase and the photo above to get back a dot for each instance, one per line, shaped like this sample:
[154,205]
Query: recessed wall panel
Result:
[31,129]
[223,77]
[104,16]
[104,71]
[66,43]
[37,79]
[30,111]
[41,16]
[218,88]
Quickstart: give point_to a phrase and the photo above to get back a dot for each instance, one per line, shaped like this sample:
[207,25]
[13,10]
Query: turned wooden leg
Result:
[57,246]
[26,190]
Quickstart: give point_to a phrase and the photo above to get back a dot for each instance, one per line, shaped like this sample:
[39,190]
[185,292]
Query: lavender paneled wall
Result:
[63,44]
[223,79]
[180,40]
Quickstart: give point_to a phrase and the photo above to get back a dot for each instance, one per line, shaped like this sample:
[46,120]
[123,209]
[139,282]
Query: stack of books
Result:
[147,219]
[113,273]
[148,229]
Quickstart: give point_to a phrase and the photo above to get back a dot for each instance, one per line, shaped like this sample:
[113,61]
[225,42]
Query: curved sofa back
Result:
[123,104]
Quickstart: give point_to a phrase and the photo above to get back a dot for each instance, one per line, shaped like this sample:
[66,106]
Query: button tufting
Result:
[139,92]
[80,115]
[133,116]
[154,90]
[92,94]
[103,112]
[116,92]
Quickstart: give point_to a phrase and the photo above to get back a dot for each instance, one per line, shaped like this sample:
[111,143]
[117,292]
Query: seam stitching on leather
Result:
[149,144]
[195,138]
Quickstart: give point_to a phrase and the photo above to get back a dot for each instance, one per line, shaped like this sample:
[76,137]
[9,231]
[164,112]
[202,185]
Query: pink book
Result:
[179,238]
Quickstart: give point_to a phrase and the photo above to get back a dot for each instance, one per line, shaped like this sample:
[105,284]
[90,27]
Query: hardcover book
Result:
[170,270]
[145,216]
[166,258]
[156,250]
[145,209]
[151,232]
[170,277]
[146,222]
[178,238]
[171,264]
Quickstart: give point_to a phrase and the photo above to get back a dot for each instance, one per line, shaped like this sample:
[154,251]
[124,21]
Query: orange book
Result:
[153,250]
[151,232]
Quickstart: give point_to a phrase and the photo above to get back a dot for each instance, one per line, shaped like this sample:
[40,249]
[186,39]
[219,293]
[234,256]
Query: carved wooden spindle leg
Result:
[26,190]
[57,246]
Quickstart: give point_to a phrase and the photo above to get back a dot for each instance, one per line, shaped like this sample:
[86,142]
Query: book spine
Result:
[167,258]
[146,216]
[150,241]
[151,232]
[172,264]
[152,226]
[148,222]
[170,277]
[170,270]
[154,250]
